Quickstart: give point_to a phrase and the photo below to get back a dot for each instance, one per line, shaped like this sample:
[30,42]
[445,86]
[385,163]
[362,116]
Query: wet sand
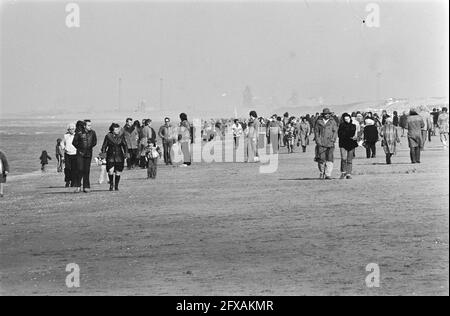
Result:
[225,229]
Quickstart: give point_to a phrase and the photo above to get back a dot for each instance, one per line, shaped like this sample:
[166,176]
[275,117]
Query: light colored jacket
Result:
[443,123]
[69,148]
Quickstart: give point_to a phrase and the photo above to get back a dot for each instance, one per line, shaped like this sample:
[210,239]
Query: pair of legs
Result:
[114,171]
[2,184]
[325,159]
[83,173]
[60,161]
[444,139]
[346,163]
[167,147]
[414,153]
[43,167]
[152,163]
[133,160]
[388,158]
[70,170]
[371,150]
[185,149]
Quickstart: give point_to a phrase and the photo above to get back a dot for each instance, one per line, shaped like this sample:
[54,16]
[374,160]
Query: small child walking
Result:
[4,170]
[152,153]
[101,162]
[44,160]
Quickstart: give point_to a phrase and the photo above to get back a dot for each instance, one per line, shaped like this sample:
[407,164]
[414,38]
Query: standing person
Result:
[4,170]
[116,150]
[237,132]
[256,126]
[290,137]
[251,135]
[402,122]
[165,132]
[389,139]
[370,138]
[428,125]
[326,132]
[274,131]
[131,137]
[152,153]
[435,117]
[184,137]
[284,122]
[443,125]
[395,119]
[59,153]
[44,158]
[135,152]
[415,125]
[347,145]
[70,157]
[84,141]
[304,130]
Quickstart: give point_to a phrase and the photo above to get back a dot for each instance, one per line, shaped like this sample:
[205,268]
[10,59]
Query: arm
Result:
[5,163]
[105,144]
[75,141]
[94,139]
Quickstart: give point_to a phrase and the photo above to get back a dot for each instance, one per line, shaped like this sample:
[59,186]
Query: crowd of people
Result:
[135,145]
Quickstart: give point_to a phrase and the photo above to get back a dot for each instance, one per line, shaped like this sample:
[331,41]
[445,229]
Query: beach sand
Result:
[225,229]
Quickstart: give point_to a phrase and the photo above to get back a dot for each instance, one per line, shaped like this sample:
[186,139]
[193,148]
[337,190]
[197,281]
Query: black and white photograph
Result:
[224,153]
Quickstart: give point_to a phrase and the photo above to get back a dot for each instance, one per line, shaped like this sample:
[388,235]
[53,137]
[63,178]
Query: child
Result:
[59,154]
[152,153]
[44,160]
[290,137]
[4,170]
[101,162]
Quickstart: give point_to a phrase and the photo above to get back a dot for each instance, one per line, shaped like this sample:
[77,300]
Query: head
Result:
[167,120]
[253,114]
[71,128]
[444,109]
[346,118]
[129,122]
[286,114]
[326,113]
[413,111]
[88,125]
[58,141]
[79,126]
[303,119]
[395,113]
[183,117]
[137,124]
[114,129]
[148,122]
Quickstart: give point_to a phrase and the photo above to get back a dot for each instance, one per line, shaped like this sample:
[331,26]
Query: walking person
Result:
[166,134]
[428,125]
[370,138]
[184,137]
[347,144]
[4,170]
[389,139]
[237,132]
[304,130]
[131,137]
[402,122]
[274,131]
[70,157]
[116,150]
[256,125]
[84,141]
[44,158]
[251,136]
[326,132]
[415,125]
[290,137]
[152,153]
[443,125]
[147,132]
[59,153]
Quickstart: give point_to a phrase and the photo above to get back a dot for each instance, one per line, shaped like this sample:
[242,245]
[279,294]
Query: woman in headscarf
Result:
[347,144]
[116,150]
[389,138]
[370,138]
[414,125]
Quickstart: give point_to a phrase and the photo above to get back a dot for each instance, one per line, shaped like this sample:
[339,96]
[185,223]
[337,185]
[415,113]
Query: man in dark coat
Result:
[84,141]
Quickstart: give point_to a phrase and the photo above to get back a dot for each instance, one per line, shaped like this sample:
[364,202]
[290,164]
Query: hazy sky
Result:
[208,52]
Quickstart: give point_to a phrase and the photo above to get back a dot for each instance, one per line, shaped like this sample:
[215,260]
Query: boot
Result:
[388,159]
[117,183]
[111,182]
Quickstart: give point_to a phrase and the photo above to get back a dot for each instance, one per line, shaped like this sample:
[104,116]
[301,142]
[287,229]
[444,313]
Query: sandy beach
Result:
[226,229]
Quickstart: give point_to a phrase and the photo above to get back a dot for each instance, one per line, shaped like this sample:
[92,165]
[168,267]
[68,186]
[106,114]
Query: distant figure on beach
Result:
[146,133]
[304,130]
[70,157]
[370,138]
[415,124]
[44,158]
[84,141]
[256,125]
[116,150]
[131,133]
[289,137]
[184,137]
[237,132]
[389,139]
[166,134]
[59,152]
[152,153]
[251,141]
[4,170]
[402,122]
[326,132]
[347,144]
[443,125]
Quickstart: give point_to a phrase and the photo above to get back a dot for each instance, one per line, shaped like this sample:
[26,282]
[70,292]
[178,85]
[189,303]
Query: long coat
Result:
[414,124]
[346,134]
[304,131]
[326,133]
[389,138]
[115,147]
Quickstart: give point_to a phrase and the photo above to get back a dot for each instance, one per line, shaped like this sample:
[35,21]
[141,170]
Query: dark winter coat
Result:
[371,134]
[84,142]
[346,133]
[115,147]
